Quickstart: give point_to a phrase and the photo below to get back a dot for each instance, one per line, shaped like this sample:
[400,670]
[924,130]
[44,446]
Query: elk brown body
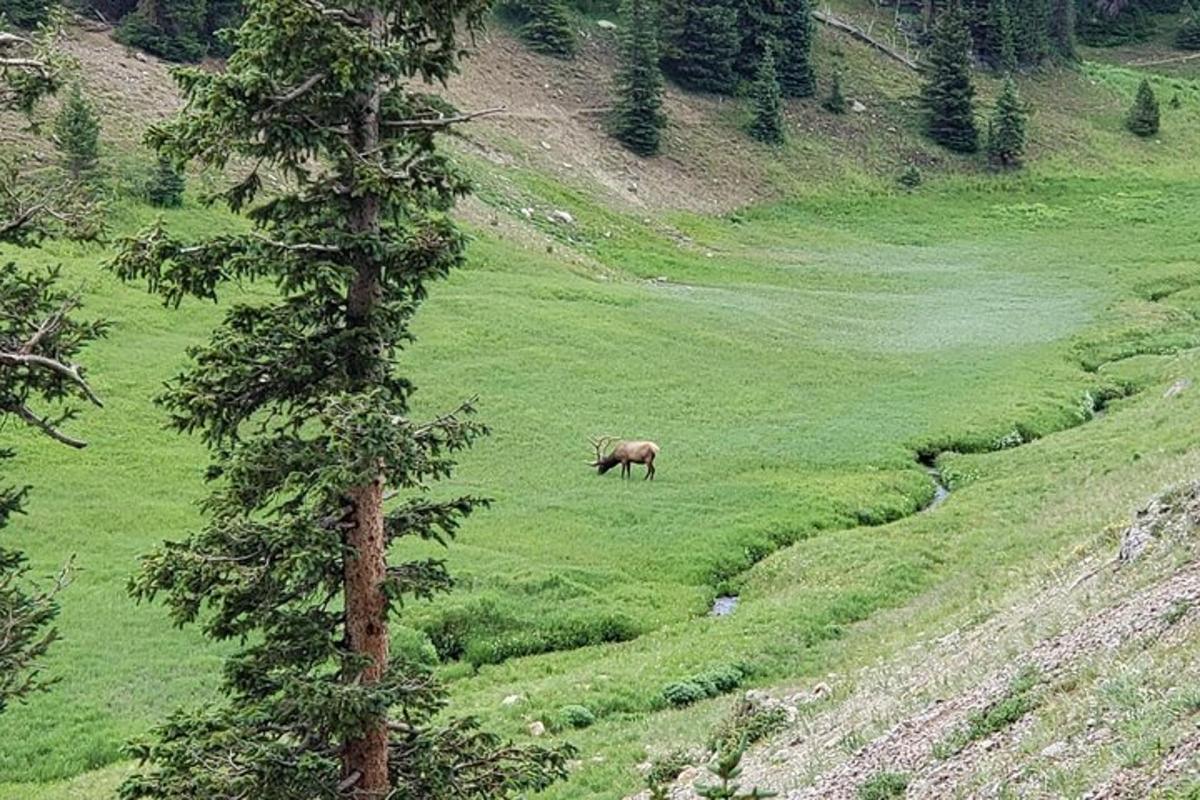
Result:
[626,454]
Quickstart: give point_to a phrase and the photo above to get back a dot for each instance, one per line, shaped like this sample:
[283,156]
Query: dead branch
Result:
[840,24]
[26,413]
[19,359]
[439,123]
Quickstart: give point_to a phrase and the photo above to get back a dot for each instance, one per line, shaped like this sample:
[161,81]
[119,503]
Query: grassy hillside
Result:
[793,358]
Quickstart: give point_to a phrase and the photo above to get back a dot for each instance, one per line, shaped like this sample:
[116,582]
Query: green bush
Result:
[747,723]
[710,683]
[164,188]
[911,177]
[1144,115]
[884,786]
[575,716]
[666,768]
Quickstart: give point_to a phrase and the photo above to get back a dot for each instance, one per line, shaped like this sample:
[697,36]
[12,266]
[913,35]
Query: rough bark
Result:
[366,565]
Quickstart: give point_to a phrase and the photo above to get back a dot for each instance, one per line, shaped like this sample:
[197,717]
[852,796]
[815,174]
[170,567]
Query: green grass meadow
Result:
[794,363]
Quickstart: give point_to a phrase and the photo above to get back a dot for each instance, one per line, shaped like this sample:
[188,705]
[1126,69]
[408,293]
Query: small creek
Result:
[940,491]
[724,605]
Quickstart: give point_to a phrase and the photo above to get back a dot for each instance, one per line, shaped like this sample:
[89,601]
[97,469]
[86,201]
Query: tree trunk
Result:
[365,570]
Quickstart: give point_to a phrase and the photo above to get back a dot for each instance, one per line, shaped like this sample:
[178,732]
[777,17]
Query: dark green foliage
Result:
[702,685]
[165,186]
[1006,130]
[576,717]
[77,134]
[221,19]
[317,464]
[794,64]
[1188,35]
[1143,117]
[544,25]
[758,25]
[1005,46]
[172,29]
[767,125]
[700,44]
[1062,29]
[638,119]
[1031,30]
[25,13]
[727,770]
[948,96]
[884,786]
[1097,27]
[835,103]
[910,178]
[666,768]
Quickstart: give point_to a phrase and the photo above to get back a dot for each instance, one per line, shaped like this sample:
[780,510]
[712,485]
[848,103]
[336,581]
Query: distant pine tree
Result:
[1006,130]
[166,184]
[767,125]
[638,118]
[1144,116]
[835,103]
[948,94]
[172,29]
[700,44]
[547,28]
[1188,35]
[77,131]
[1031,30]
[25,13]
[796,34]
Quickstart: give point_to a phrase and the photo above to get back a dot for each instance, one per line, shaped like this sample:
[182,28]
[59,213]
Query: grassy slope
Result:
[790,367]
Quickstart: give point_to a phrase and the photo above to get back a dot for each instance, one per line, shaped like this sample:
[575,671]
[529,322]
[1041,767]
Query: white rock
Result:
[537,729]
[512,700]
[564,217]
[605,24]
[1054,750]
[857,107]
[527,213]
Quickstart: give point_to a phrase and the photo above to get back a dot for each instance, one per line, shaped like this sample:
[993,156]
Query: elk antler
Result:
[600,442]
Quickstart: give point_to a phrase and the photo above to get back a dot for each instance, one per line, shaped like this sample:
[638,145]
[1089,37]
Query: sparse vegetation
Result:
[746,724]
[884,786]
[1019,701]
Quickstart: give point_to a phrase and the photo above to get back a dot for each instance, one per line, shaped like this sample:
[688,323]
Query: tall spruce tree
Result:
[1004,46]
[758,24]
[1062,29]
[700,44]
[166,184]
[638,119]
[173,29]
[77,133]
[797,78]
[948,96]
[1143,117]
[1031,30]
[318,465]
[546,27]
[1006,129]
[767,124]
[40,337]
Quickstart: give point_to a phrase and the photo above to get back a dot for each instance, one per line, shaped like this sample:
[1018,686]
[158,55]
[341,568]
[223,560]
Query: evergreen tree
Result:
[758,24]
[1188,35]
[39,340]
[948,94]
[546,27]
[1144,116]
[638,119]
[1006,130]
[767,125]
[172,29]
[835,103]
[700,44]
[1004,54]
[796,33]
[318,465]
[1062,29]
[166,184]
[77,133]
[727,769]
[1031,30]
[25,13]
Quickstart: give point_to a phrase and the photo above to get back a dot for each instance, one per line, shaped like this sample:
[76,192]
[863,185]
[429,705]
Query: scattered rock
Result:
[537,729]
[857,107]
[1178,387]
[545,145]
[606,25]
[527,213]
[1055,750]
[512,700]
[560,216]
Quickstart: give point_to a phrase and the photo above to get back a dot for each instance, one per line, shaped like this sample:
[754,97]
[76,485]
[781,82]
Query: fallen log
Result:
[863,36]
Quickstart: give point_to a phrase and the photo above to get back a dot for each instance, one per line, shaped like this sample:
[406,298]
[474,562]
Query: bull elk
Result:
[624,453]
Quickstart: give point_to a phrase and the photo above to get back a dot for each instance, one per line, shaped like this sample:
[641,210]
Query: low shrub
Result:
[683,693]
[884,786]
[710,683]
[747,723]
[575,716]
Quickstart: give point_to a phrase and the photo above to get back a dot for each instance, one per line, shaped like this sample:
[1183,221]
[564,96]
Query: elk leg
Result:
[649,469]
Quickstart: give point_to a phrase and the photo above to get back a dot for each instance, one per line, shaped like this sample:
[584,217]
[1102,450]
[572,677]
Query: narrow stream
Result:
[723,606]
[940,492]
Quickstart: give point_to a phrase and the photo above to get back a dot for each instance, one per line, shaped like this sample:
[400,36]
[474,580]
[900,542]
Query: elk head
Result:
[600,443]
